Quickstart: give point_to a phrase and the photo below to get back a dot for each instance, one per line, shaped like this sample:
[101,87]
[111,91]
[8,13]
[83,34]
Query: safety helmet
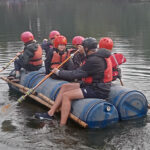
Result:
[77,40]
[27,37]
[89,43]
[60,40]
[106,42]
[53,34]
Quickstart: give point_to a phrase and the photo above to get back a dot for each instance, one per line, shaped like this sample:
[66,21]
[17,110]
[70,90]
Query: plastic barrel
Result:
[130,103]
[96,113]
[49,87]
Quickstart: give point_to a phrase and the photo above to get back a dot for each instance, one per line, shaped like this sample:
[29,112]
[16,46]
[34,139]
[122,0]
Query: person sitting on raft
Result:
[31,59]
[57,55]
[116,58]
[79,57]
[47,45]
[96,74]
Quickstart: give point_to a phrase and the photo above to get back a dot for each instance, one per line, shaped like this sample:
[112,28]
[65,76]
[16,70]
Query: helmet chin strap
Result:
[86,50]
[61,52]
[91,50]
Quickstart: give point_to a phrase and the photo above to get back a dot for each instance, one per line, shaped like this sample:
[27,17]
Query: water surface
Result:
[127,22]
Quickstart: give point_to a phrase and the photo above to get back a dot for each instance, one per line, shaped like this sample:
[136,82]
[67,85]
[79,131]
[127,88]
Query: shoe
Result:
[43,116]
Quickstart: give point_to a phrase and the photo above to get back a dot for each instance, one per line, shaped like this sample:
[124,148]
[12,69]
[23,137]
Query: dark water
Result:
[127,22]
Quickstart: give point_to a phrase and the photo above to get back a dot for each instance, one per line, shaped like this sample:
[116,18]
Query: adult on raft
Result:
[96,75]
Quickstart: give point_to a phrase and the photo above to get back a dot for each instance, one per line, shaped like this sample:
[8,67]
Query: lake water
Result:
[127,22]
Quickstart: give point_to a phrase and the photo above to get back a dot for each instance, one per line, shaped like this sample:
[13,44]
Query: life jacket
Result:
[117,59]
[57,59]
[107,73]
[36,60]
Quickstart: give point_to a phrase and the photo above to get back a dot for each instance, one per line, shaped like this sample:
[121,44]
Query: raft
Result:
[123,103]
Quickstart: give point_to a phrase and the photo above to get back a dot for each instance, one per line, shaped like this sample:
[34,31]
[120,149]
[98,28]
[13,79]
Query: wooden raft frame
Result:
[44,100]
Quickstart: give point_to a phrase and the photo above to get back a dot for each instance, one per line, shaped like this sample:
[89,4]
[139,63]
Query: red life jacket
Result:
[57,59]
[36,60]
[107,73]
[117,59]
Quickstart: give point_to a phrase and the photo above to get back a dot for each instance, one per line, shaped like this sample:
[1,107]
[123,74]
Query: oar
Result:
[121,81]
[30,91]
[3,68]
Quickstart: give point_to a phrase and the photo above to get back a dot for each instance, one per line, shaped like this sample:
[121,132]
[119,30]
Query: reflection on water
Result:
[126,22]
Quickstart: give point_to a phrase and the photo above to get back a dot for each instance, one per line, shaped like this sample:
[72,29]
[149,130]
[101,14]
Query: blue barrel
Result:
[97,113]
[49,88]
[123,103]
[131,104]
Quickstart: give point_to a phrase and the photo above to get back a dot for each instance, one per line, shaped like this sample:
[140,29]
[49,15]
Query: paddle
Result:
[30,91]
[121,81]
[3,68]
[119,76]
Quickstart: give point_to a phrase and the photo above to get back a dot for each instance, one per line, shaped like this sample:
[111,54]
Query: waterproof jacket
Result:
[46,47]
[107,74]
[95,66]
[50,56]
[30,52]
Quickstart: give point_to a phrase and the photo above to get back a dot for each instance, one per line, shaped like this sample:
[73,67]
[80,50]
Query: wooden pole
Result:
[11,61]
[39,97]
[121,81]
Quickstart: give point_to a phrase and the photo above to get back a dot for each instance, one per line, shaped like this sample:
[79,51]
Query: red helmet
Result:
[106,42]
[77,40]
[53,34]
[27,36]
[60,40]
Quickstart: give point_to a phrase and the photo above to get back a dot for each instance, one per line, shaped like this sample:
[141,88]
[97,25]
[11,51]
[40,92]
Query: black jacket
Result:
[77,59]
[46,47]
[29,50]
[28,53]
[95,66]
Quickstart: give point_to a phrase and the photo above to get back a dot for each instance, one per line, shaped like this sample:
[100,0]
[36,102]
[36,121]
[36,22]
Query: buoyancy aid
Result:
[57,59]
[117,59]
[36,60]
[107,73]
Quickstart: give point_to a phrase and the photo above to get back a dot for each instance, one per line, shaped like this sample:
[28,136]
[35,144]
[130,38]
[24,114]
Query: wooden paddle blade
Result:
[2,69]
[5,108]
